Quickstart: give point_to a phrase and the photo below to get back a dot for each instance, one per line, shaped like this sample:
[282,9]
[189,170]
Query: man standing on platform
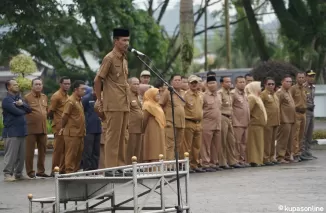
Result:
[310,94]
[58,101]
[179,116]
[249,78]
[114,73]
[73,128]
[272,107]
[227,134]
[36,129]
[210,151]
[286,130]
[14,132]
[193,126]
[240,118]
[298,94]
[135,125]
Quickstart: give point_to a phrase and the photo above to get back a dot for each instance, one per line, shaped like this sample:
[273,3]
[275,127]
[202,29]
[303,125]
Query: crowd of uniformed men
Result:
[221,127]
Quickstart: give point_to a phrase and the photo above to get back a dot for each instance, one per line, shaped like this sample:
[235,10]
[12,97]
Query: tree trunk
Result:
[258,37]
[186,33]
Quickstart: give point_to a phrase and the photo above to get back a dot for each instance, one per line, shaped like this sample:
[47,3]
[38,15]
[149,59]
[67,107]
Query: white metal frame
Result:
[100,188]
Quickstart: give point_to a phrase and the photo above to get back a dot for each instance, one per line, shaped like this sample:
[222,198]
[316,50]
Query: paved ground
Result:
[240,190]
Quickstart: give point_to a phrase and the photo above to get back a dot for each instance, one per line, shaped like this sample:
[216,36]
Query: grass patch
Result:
[319,134]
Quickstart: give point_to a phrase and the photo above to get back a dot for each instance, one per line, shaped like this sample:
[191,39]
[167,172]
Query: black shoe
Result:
[42,175]
[209,169]
[303,157]
[192,171]
[254,165]
[226,167]
[314,157]
[276,162]
[32,175]
[199,170]
[236,166]
[128,173]
[269,164]
[113,174]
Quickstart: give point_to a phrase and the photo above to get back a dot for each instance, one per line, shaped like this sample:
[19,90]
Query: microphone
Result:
[136,52]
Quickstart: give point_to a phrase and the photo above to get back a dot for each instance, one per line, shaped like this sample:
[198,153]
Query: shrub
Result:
[319,134]
[49,126]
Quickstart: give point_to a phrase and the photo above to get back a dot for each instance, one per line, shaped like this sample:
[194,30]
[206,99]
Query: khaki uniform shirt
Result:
[36,120]
[74,109]
[287,107]
[194,106]
[240,107]
[299,96]
[212,112]
[58,101]
[272,107]
[114,72]
[226,101]
[136,115]
[179,111]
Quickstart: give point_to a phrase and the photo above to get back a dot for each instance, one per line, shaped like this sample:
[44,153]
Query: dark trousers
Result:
[91,154]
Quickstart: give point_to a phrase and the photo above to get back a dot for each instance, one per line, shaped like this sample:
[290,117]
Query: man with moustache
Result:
[58,101]
[298,94]
[193,126]
[286,130]
[271,104]
[210,150]
[73,128]
[227,133]
[240,118]
[115,104]
[310,94]
[134,145]
[36,129]
[179,116]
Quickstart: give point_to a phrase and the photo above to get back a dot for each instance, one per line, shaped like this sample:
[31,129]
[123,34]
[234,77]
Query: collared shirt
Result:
[58,101]
[36,120]
[310,94]
[194,106]
[14,117]
[93,122]
[136,114]
[272,107]
[240,107]
[179,112]
[287,107]
[299,97]
[114,72]
[226,101]
[76,120]
[212,112]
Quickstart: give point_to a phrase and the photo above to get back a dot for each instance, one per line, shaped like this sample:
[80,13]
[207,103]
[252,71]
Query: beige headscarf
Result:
[252,90]
[153,107]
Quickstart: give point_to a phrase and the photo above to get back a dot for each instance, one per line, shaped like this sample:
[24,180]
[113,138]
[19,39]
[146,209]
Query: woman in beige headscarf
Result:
[153,126]
[258,119]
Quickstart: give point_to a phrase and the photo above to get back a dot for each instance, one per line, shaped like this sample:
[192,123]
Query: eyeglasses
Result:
[271,84]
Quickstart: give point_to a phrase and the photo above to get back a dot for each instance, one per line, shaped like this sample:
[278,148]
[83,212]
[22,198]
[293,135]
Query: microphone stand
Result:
[176,153]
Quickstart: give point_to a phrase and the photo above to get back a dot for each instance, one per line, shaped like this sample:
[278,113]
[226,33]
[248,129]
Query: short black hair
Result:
[301,72]
[248,75]
[222,78]
[238,77]
[77,84]
[63,78]
[268,78]
[7,84]
[184,77]
[35,79]
[286,76]
[210,73]
[174,75]
[158,84]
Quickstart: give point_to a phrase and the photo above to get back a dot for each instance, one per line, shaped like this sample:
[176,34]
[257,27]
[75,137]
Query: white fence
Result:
[320,101]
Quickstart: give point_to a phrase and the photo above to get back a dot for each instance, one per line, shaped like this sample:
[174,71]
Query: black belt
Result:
[225,115]
[194,121]
[310,109]
[301,111]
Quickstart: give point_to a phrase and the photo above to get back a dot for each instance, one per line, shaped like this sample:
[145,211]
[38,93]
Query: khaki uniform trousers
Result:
[210,149]
[192,142]
[270,133]
[134,147]
[41,141]
[169,141]
[74,147]
[284,137]
[228,142]
[240,134]
[102,155]
[115,138]
[58,155]
[300,125]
